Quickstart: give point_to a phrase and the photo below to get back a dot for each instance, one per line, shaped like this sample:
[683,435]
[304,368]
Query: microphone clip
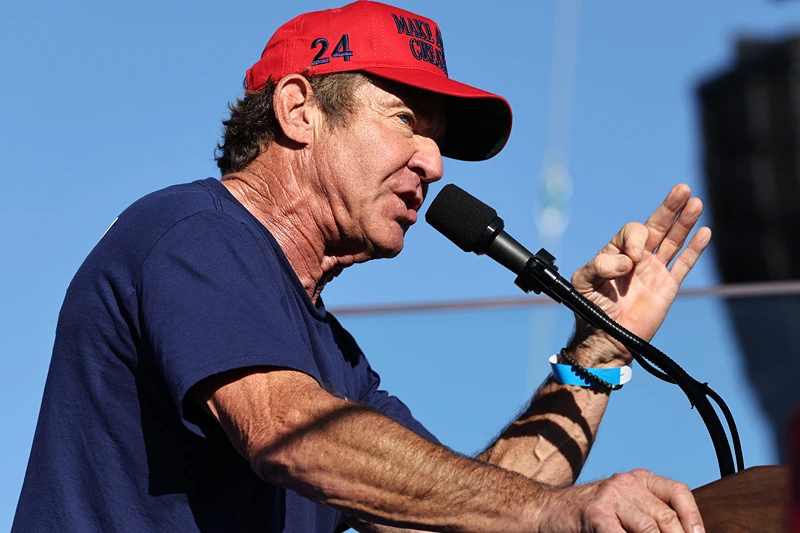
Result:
[540,275]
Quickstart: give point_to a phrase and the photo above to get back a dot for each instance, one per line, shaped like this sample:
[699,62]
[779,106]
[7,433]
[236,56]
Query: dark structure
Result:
[751,131]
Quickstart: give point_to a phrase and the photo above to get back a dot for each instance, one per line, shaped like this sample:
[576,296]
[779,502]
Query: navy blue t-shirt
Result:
[184,285]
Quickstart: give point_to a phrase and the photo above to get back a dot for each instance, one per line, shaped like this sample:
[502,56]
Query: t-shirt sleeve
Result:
[211,299]
[391,406]
[371,393]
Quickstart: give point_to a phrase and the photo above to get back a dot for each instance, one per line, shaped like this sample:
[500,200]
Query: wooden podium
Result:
[755,500]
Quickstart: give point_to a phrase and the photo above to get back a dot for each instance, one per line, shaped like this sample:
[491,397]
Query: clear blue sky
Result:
[106,101]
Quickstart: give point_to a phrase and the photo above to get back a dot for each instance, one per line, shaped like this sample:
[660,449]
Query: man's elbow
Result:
[274,451]
[282,422]
[292,452]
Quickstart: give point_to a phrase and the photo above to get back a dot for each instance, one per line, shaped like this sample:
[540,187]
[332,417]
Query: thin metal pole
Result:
[741,290]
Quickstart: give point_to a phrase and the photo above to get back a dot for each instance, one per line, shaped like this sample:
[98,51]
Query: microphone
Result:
[475,227]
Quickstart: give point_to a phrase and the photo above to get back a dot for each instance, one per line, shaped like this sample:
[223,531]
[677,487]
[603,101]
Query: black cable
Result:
[651,369]
[737,445]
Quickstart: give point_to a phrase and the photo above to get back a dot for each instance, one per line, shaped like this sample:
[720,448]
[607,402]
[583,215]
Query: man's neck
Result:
[292,214]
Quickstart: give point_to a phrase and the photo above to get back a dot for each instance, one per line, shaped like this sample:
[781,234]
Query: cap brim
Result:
[478,122]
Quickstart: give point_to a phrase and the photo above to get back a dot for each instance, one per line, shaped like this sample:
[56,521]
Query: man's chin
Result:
[388,242]
[391,248]
[388,252]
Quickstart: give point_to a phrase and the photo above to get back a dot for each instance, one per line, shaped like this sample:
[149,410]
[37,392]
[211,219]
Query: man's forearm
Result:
[348,456]
[375,469]
[551,440]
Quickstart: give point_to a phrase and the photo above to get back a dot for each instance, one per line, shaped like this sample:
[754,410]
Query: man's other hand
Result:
[637,501]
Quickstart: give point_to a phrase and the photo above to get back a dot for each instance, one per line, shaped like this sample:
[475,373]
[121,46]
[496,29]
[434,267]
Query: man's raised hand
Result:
[637,275]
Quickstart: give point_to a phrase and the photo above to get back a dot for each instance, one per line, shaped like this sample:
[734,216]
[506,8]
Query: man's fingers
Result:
[677,234]
[680,499]
[615,259]
[630,240]
[660,222]
[603,519]
[687,511]
[688,257]
[644,522]
[602,267]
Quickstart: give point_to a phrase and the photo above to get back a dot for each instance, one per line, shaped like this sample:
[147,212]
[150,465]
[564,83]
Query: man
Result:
[198,384]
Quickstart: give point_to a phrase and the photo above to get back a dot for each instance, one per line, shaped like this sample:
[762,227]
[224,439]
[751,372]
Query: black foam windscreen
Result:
[459,216]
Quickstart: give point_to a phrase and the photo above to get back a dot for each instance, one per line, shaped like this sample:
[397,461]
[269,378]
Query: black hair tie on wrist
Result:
[584,373]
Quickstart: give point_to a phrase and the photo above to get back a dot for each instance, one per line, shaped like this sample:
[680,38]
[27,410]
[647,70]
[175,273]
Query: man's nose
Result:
[427,161]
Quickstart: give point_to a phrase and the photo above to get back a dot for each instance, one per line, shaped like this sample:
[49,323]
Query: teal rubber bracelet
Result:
[565,375]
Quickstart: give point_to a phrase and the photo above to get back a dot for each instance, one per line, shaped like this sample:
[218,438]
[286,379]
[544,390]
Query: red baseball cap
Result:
[395,44]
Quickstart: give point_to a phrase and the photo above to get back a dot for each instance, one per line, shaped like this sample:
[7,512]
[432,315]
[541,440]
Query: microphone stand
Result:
[540,275]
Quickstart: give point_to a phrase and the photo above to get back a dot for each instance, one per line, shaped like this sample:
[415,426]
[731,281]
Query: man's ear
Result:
[295,108]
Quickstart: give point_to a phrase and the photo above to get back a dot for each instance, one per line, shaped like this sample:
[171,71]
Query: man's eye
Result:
[407,119]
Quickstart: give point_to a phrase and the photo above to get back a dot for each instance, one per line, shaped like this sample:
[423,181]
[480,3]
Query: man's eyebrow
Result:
[439,131]
[436,118]
[426,109]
